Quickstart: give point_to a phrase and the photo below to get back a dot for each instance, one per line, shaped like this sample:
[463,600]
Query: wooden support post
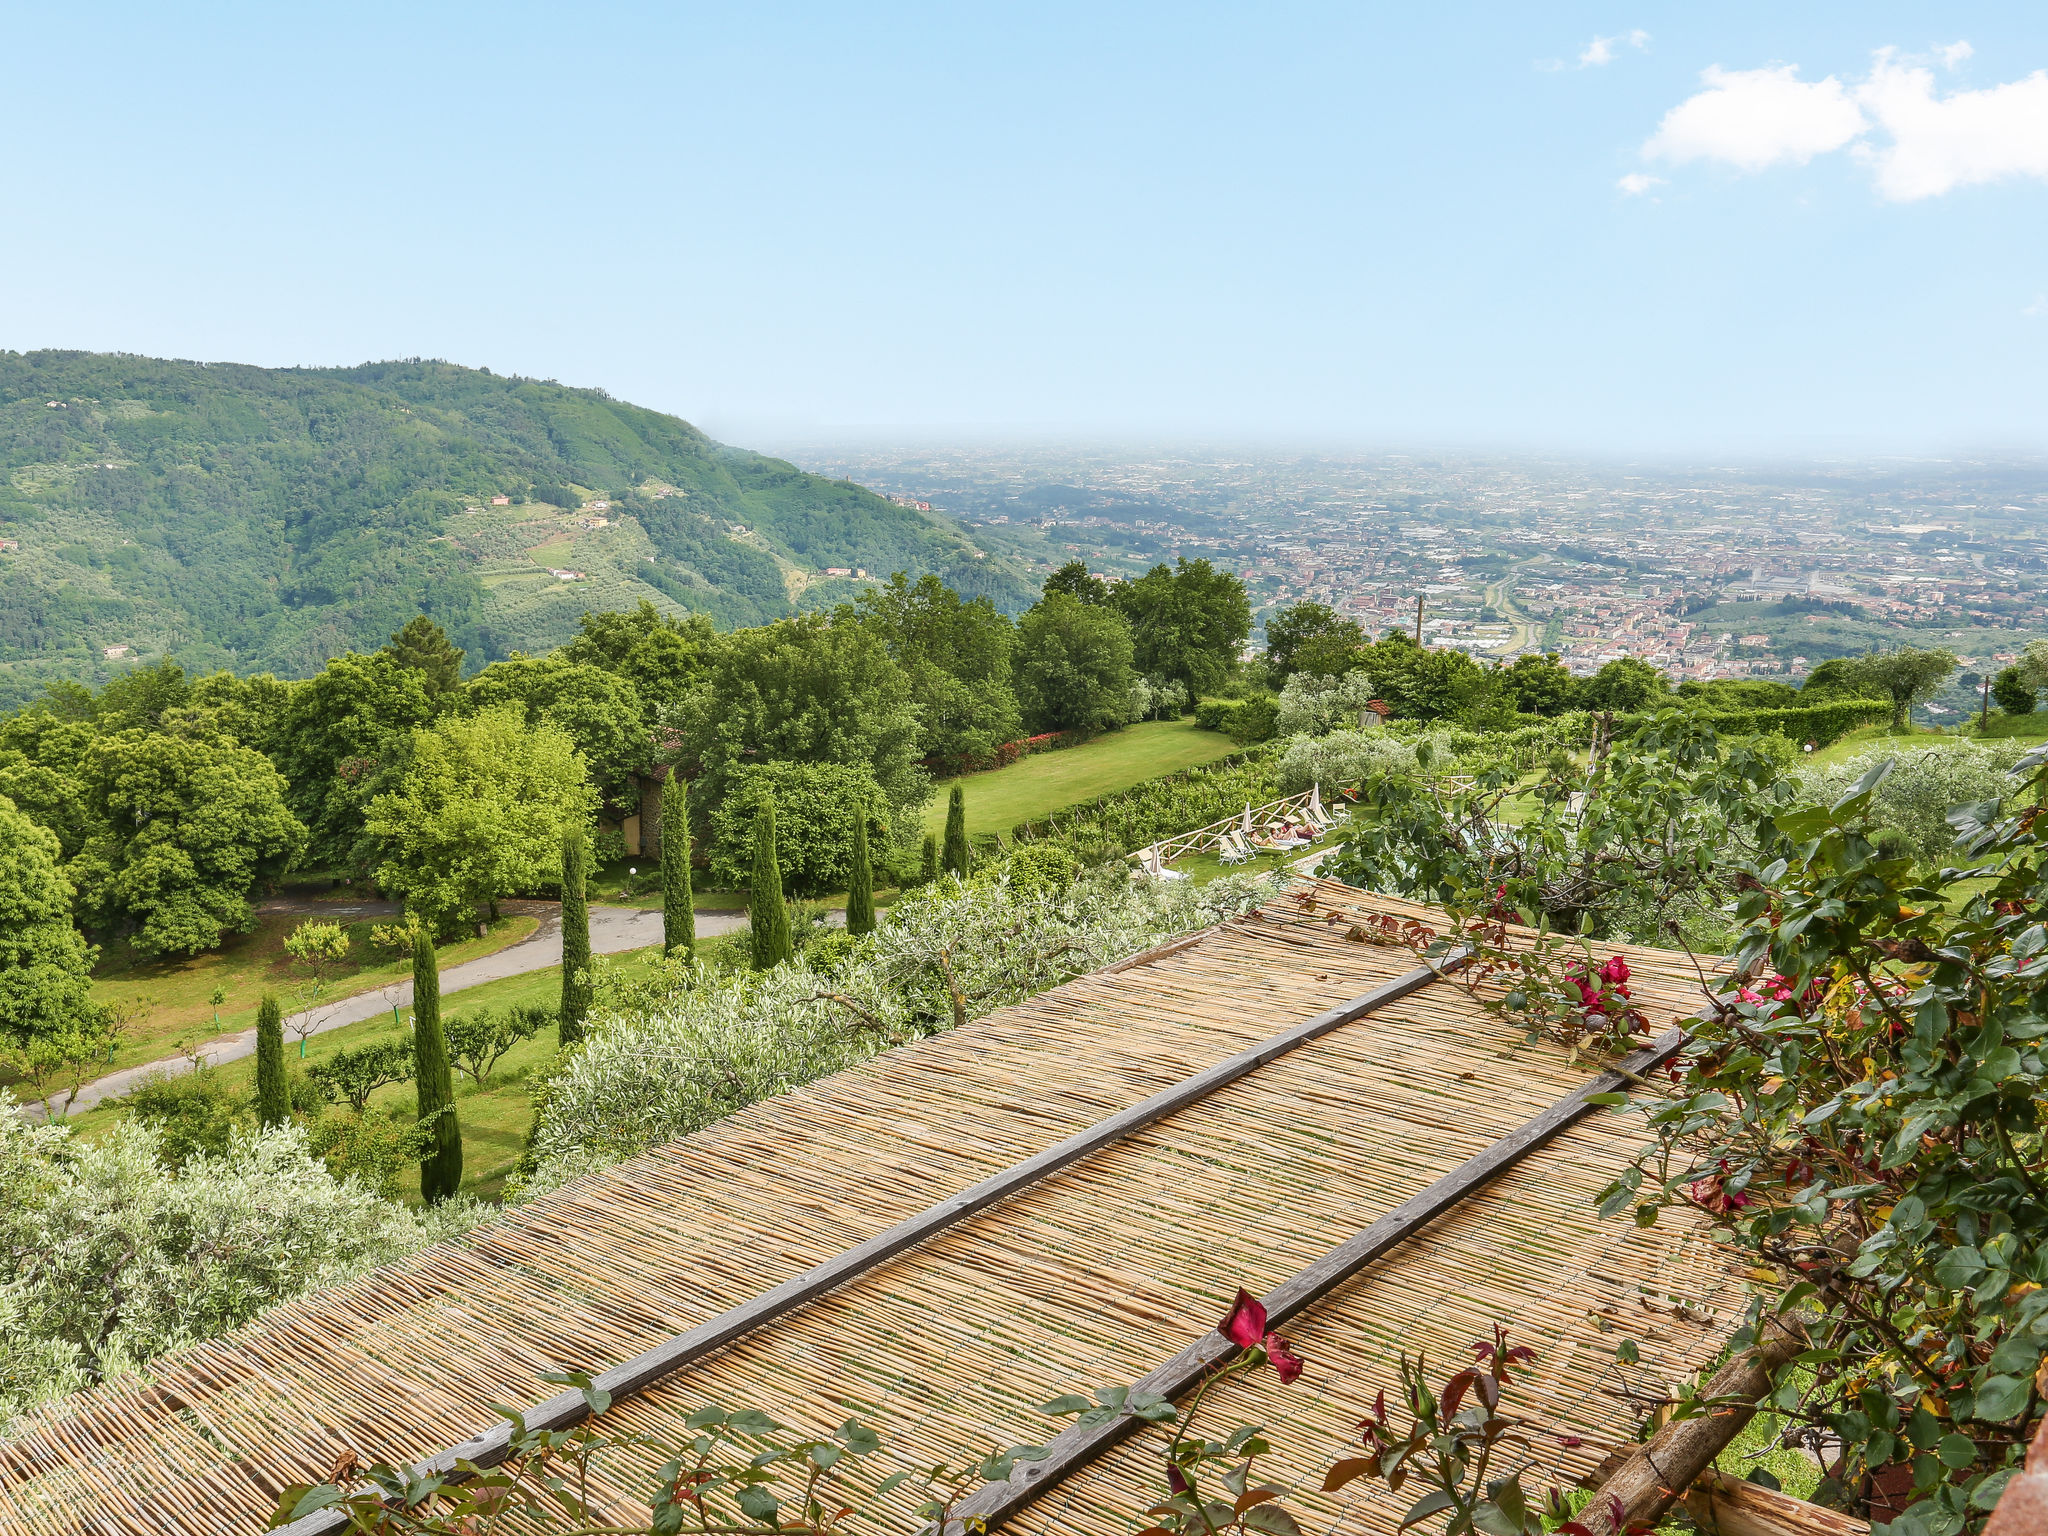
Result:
[1418,618]
[1656,1474]
[1721,1505]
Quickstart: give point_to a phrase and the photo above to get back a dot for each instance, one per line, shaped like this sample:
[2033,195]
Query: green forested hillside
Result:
[266,519]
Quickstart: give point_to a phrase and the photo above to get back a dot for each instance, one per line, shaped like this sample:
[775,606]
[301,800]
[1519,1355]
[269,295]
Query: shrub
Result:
[1255,720]
[815,804]
[1043,869]
[108,1255]
[1924,785]
[1342,758]
[194,1115]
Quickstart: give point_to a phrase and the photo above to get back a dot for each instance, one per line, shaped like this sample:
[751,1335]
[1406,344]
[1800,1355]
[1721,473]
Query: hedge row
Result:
[1820,724]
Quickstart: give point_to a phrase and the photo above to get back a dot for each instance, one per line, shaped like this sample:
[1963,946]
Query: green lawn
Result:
[170,996]
[494,1118]
[1000,798]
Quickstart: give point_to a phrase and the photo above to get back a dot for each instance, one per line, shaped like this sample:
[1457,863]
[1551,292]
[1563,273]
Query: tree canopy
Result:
[45,963]
[1906,676]
[1073,666]
[806,690]
[956,654]
[1314,638]
[1188,623]
[179,832]
[477,813]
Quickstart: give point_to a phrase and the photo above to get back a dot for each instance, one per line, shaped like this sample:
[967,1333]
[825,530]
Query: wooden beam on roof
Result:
[644,1370]
[1074,1448]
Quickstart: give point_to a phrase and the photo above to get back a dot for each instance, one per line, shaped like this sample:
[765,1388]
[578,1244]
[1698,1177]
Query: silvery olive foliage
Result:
[1914,800]
[1342,758]
[108,1256]
[1315,705]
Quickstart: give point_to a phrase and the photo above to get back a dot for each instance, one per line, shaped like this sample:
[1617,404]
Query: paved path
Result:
[612,929]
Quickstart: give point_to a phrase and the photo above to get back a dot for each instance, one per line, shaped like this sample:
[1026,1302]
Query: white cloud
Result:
[1602,50]
[1635,183]
[1963,139]
[2038,310]
[1919,143]
[1755,118]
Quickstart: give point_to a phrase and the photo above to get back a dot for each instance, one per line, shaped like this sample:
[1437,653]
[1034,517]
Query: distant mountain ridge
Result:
[267,518]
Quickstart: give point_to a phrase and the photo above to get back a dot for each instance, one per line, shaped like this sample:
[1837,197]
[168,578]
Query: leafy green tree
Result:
[433,1080]
[956,832]
[45,964]
[2009,691]
[1311,637]
[138,700]
[194,1115]
[860,883]
[1074,580]
[929,869]
[478,1041]
[1625,685]
[42,770]
[601,713]
[424,646]
[957,656]
[248,710]
[354,1074]
[767,915]
[1073,665]
[576,976]
[477,814]
[663,657]
[181,831]
[1420,684]
[344,730]
[678,900]
[1906,676]
[806,690]
[1833,678]
[273,1089]
[1187,623]
[321,951]
[815,806]
[1539,685]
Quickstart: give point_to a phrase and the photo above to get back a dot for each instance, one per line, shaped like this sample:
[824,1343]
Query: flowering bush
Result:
[1865,1121]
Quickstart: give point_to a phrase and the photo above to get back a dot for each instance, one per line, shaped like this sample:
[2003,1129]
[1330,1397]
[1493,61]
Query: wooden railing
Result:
[1209,838]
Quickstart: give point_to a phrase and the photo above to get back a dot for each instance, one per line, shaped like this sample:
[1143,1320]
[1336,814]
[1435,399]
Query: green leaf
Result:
[1955,1451]
[1066,1402]
[1998,1399]
[752,1421]
[759,1504]
[858,1438]
[710,1416]
[1627,1352]
[1609,1100]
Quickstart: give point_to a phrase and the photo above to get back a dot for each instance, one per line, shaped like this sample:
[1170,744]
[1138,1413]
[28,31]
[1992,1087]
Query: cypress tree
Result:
[767,917]
[273,1092]
[575,936]
[433,1079]
[956,831]
[678,914]
[931,859]
[860,884]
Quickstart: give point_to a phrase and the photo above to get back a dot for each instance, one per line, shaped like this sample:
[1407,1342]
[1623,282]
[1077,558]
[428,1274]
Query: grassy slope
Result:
[494,1118]
[1002,797]
[173,993]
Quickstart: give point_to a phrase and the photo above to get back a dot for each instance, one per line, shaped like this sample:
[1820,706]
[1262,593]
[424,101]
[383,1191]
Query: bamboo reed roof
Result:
[1086,1279]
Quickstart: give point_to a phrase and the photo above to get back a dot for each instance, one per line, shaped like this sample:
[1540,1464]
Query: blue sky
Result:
[1494,226]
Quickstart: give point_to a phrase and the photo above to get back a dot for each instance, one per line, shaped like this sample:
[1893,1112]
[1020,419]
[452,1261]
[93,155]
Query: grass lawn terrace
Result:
[1000,798]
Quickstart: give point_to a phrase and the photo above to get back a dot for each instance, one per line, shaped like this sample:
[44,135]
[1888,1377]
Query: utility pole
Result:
[1418,618]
